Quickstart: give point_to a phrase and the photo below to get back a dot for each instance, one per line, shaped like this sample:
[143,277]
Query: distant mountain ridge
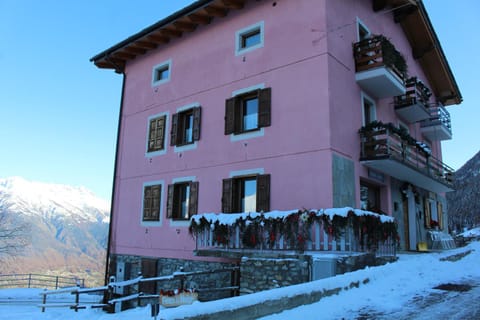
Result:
[464,202]
[68,227]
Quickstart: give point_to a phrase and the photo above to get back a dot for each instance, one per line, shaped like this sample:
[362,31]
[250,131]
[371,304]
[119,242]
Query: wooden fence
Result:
[32,280]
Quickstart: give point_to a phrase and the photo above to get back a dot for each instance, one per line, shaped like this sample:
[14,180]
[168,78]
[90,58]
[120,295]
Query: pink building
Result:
[242,106]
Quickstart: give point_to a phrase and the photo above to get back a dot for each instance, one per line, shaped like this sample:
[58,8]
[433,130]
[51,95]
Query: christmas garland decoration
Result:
[262,231]
[401,132]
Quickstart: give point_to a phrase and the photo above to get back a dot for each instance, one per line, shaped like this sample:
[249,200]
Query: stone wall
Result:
[259,274]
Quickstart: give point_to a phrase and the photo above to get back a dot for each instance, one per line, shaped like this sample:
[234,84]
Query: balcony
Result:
[438,126]
[283,232]
[413,105]
[391,151]
[380,68]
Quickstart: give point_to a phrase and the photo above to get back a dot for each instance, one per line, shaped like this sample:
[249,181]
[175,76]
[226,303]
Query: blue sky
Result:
[59,113]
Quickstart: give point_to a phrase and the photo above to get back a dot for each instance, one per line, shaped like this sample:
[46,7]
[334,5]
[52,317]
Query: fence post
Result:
[56,282]
[44,300]
[29,279]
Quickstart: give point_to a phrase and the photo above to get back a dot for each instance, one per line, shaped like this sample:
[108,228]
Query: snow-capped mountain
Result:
[67,227]
[52,200]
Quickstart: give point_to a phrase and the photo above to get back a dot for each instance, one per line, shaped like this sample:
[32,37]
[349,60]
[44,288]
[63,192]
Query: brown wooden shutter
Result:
[193,205]
[160,133]
[174,130]
[197,113]
[440,215]
[149,270]
[227,195]
[426,206]
[263,193]
[171,188]
[264,107]
[146,203]
[230,115]
[156,196]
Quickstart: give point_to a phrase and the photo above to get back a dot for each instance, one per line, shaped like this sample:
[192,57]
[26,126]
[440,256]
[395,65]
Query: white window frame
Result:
[159,66]
[364,97]
[242,32]
[251,134]
[158,223]
[165,139]
[189,146]
[181,223]
[361,25]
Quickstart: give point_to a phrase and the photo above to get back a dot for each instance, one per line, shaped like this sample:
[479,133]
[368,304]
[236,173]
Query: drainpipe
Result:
[117,147]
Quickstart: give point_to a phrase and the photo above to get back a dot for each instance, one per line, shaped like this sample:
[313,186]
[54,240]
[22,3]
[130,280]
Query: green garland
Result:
[401,132]
[295,228]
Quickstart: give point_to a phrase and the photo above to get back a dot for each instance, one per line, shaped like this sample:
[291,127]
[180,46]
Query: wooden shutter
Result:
[197,112]
[171,188]
[160,133]
[156,196]
[149,270]
[230,115]
[147,199]
[264,107]
[227,195]
[440,215]
[193,204]
[428,216]
[174,131]
[263,193]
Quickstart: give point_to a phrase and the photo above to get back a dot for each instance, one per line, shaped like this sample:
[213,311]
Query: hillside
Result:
[67,229]
[464,202]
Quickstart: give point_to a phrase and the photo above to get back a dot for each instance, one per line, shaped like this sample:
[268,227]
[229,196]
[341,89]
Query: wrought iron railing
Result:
[438,116]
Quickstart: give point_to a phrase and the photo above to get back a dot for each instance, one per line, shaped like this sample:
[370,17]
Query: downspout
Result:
[115,168]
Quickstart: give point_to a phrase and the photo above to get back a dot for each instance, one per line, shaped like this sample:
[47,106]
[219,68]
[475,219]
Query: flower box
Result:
[179,299]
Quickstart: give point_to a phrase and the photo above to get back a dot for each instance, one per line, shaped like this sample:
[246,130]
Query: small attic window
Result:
[249,38]
[161,73]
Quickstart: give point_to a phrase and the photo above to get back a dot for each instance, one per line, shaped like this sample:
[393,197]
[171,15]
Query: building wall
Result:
[311,150]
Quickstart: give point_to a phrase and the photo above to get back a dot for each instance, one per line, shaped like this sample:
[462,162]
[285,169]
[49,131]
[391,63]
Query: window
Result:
[185,127]
[250,38]
[248,111]
[151,202]
[369,197]
[156,133]
[368,110]
[246,194]
[182,202]
[161,73]
[363,32]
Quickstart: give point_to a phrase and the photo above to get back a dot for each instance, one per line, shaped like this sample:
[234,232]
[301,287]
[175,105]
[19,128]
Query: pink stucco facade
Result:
[316,112]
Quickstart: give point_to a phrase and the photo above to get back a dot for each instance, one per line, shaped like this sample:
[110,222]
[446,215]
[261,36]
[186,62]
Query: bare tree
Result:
[14,235]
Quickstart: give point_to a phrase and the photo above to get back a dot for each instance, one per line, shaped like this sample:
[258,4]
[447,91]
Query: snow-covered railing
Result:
[338,229]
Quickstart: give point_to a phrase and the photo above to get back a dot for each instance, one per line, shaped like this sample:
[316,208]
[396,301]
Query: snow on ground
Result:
[471,233]
[402,289]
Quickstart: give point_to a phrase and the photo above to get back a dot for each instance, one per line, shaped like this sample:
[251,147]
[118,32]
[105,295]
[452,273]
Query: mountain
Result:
[464,202]
[67,229]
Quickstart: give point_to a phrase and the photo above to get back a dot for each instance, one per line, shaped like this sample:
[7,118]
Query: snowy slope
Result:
[36,198]
[401,290]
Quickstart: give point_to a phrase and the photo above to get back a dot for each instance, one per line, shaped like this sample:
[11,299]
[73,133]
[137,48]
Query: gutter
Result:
[117,148]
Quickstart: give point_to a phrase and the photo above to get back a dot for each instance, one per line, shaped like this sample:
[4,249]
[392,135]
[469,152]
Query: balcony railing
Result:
[231,235]
[438,126]
[380,68]
[385,149]
[413,105]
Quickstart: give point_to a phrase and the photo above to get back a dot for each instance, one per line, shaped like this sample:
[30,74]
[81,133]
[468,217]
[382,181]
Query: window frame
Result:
[242,33]
[366,98]
[232,193]
[152,223]
[172,201]
[177,130]
[362,26]
[149,153]
[234,112]
[164,65]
